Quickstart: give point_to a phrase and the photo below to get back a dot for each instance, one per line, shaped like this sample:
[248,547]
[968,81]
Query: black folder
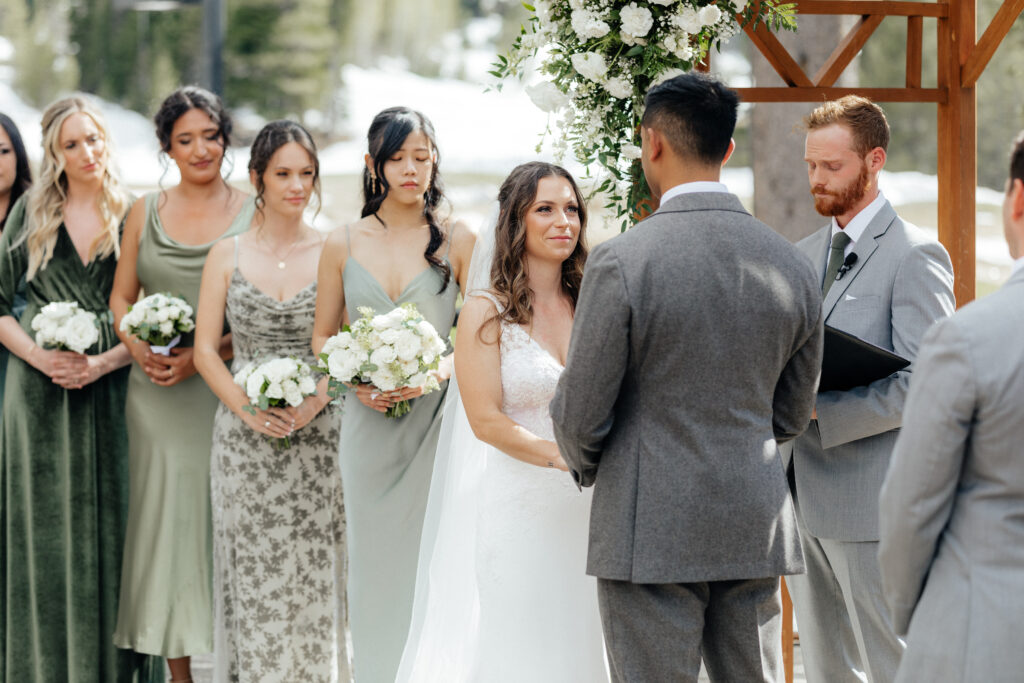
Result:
[849,362]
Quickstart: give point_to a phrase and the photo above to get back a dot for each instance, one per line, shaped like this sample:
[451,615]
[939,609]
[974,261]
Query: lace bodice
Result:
[529,375]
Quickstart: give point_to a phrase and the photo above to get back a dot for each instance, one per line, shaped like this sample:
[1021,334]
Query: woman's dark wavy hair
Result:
[182,101]
[271,138]
[386,136]
[509,279]
[22,172]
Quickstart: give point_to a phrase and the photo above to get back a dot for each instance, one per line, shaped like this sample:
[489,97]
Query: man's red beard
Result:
[839,203]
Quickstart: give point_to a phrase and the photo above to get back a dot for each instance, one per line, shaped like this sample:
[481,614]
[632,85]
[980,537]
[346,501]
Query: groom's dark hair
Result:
[1017,158]
[695,113]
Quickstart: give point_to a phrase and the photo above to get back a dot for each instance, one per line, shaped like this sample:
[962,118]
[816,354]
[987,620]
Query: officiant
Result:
[885,282]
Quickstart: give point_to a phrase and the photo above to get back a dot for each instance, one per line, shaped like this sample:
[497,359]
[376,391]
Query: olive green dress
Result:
[166,584]
[386,465]
[64,492]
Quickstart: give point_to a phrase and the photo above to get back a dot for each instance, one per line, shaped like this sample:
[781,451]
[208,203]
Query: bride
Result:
[501,589]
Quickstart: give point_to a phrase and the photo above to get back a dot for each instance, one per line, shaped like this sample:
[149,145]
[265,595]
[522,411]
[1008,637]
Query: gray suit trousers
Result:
[838,644]
[660,632]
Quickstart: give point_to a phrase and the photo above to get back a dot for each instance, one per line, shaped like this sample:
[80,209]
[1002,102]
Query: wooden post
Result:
[958,145]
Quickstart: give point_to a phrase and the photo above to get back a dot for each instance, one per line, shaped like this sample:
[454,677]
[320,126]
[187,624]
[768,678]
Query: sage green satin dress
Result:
[166,583]
[386,465]
[64,491]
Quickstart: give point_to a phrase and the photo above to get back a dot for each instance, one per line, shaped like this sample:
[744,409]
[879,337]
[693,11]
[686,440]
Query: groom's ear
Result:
[651,137]
[728,152]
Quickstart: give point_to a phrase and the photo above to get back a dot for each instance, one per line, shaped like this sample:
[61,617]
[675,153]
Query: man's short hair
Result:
[1017,158]
[695,113]
[864,118]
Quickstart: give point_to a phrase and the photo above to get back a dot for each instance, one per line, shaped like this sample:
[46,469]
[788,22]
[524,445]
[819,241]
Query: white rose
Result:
[384,380]
[167,327]
[590,65]
[586,25]
[709,15]
[307,385]
[547,97]
[343,365]
[393,318]
[390,335]
[242,375]
[274,390]
[636,21]
[408,346]
[80,332]
[619,87]
[253,386]
[688,20]
[631,152]
[410,367]
[293,397]
[664,3]
[418,380]
[684,51]
[383,355]
[740,5]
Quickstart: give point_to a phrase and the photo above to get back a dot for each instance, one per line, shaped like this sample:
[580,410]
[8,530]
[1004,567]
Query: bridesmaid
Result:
[278,518]
[15,175]
[62,442]
[166,605]
[400,251]
[15,179]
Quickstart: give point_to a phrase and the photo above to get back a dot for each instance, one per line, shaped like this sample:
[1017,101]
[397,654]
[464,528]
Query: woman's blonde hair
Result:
[45,209]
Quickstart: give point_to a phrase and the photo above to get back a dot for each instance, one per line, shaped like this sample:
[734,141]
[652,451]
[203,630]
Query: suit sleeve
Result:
[583,409]
[922,294]
[920,487]
[796,390]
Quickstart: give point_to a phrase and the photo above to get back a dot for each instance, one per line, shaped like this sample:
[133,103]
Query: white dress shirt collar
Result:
[855,228]
[686,188]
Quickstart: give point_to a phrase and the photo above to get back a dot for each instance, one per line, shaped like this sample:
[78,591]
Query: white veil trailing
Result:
[441,644]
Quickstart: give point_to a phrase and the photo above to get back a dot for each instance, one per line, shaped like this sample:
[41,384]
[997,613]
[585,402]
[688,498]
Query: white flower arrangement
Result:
[159,320]
[599,59]
[390,351]
[65,326]
[277,382]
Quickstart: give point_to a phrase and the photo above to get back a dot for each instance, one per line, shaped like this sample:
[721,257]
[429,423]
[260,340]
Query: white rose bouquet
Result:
[63,325]
[599,59]
[391,351]
[159,320]
[277,382]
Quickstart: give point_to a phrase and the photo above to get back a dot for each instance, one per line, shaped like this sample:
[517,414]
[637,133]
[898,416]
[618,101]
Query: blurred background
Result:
[332,64]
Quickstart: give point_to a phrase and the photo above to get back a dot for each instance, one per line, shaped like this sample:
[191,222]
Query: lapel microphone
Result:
[847,265]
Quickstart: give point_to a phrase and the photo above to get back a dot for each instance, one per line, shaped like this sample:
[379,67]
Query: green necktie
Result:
[836,256]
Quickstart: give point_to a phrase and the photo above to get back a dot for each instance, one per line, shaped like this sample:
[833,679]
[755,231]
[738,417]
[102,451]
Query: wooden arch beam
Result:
[990,40]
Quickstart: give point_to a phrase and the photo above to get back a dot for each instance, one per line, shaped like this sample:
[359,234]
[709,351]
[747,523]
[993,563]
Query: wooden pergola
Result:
[962,57]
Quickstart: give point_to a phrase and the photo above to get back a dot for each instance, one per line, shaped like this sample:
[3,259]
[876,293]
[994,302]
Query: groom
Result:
[695,350]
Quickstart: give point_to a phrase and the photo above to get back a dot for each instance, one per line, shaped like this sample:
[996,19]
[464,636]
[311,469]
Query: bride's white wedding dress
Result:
[502,593]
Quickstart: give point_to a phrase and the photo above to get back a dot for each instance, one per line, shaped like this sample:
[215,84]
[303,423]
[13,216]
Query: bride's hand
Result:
[554,459]
[373,398]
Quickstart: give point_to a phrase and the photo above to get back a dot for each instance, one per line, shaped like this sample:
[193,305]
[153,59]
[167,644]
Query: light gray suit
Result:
[901,284]
[696,347]
[952,547]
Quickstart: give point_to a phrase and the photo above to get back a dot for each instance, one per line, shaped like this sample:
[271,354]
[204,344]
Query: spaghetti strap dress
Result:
[166,606]
[386,465]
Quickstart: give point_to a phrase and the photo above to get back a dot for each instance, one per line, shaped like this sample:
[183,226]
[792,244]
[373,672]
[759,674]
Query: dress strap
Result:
[486,295]
[451,234]
[236,252]
[348,238]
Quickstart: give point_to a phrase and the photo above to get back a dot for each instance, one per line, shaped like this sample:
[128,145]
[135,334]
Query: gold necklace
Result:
[281,262]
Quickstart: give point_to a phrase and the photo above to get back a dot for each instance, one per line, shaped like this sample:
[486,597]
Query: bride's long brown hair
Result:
[509,281]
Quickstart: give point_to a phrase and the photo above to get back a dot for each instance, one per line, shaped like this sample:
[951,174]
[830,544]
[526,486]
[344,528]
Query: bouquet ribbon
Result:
[165,350]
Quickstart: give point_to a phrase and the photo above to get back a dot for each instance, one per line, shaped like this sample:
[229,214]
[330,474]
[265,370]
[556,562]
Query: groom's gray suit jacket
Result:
[901,283]
[696,347]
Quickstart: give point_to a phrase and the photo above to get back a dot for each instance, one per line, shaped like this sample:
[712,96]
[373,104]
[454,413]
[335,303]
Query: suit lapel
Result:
[864,248]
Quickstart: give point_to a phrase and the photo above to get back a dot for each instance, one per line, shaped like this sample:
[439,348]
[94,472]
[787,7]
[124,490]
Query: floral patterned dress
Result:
[278,519]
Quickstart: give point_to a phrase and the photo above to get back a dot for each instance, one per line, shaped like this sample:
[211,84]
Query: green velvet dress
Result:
[166,586]
[64,493]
